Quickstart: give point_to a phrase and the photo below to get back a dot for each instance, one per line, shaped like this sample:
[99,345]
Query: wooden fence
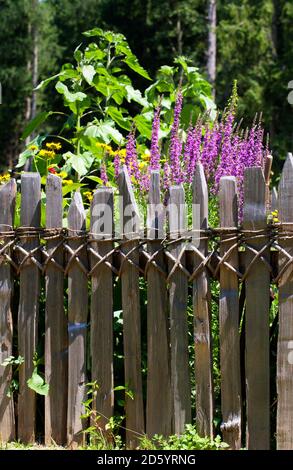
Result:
[175,260]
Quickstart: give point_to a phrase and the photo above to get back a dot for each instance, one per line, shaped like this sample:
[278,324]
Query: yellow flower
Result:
[146,156]
[142,165]
[33,148]
[53,146]
[89,195]
[67,182]
[62,174]
[47,153]
[4,178]
[274,214]
[105,147]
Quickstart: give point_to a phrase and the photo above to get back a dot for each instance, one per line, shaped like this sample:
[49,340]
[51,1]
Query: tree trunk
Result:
[212,42]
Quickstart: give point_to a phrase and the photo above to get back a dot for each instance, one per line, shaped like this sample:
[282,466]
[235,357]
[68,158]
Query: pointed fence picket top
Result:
[129,228]
[56,339]
[77,320]
[30,218]
[229,316]
[101,246]
[158,410]
[257,284]
[7,418]
[201,309]
[178,292]
[285,338]
[267,175]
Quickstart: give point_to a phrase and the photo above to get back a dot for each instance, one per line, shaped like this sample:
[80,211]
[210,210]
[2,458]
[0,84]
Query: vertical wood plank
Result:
[178,292]
[77,325]
[56,340]
[285,338]
[102,303]
[202,313]
[267,174]
[158,414]
[7,419]
[274,199]
[28,306]
[129,226]
[257,287]
[229,320]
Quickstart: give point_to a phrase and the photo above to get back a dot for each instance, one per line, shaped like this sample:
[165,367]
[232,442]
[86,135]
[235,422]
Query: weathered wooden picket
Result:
[175,261]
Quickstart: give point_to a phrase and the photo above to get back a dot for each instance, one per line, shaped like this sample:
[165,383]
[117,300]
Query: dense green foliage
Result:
[254,40]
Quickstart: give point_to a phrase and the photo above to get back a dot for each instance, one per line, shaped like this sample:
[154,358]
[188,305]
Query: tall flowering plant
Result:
[220,145]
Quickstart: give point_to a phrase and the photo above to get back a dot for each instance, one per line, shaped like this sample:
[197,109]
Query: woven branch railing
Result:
[175,261]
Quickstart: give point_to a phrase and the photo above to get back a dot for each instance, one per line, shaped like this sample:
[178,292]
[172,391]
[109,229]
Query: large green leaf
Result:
[105,131]
[88,73]
[80,163]
[34,123]
[118,117]
[143,125]
[133,63]
[37,383]
[135,95]
[69,96]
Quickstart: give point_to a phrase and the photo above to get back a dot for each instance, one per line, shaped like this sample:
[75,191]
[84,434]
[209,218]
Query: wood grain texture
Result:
[129,220]
[229,320]
[178,291]
[28,306]
[285,338]
[257,286]
[102,304]
[77,327]
[202,313]
[7,418]
[158,411]
[56,338]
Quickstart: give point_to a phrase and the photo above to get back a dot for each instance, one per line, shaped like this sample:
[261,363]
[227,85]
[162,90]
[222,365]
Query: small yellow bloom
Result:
[4,178]
[53,146]
[88,195]
[105,147]
[47,154]
[142,165]
[62,174]
[33,148]
[67,182]
[146,156]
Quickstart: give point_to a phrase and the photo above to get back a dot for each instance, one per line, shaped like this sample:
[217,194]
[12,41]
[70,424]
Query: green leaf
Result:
[70,97]
[143,125]
[133,63]
[94,32]
[96,179]
[105,131]
[81,164]
[88,73]
[135,95]
[70,187]
[44,83]
[37,383]
[118,117]
[34,123]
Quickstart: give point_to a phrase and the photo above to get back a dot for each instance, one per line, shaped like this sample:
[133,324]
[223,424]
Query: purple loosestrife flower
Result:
[226,150]
[175,144]
[155,150]
[117,164]
[259,149]
[103,174]
[167,176]
[195,154]
[188,149]
[210,149]
[131,157]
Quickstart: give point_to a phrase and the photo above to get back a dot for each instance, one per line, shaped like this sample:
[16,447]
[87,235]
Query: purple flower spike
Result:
[155,150]
[175,143]
[103,174]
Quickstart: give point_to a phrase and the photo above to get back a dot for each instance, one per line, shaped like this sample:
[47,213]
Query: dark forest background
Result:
[252,42]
